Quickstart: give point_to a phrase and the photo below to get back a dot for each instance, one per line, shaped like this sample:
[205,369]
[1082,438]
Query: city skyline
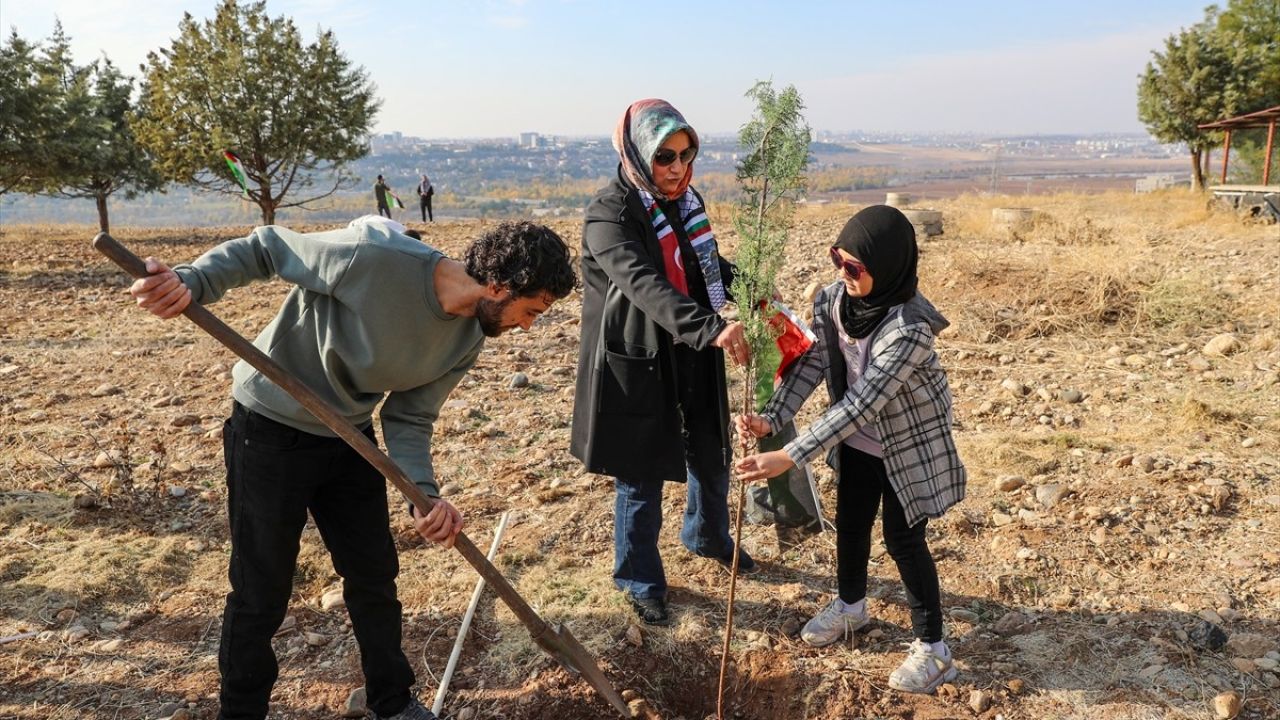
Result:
[497,69]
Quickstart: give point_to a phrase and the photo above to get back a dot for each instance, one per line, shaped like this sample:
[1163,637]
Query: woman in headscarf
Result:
[887,432]
[652,400]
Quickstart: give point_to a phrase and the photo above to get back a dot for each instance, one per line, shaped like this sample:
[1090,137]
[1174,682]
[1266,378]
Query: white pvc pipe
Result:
[466,620]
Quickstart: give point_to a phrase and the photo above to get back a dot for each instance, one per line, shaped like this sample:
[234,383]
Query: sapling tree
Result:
[776,145]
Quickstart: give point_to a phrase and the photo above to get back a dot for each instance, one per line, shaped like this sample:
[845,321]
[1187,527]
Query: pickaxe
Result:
[557,641]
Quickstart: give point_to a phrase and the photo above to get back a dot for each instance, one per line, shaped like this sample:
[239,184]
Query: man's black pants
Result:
[424,203]
[275,475]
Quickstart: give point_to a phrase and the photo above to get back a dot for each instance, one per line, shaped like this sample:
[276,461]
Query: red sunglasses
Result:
[852,268]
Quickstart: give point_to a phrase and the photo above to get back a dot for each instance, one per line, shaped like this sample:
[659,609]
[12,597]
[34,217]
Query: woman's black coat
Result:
[626,417]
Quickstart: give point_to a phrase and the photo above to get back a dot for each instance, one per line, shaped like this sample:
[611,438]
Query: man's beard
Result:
[489,314]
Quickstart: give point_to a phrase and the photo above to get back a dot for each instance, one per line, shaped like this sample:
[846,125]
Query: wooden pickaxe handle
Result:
[556,641]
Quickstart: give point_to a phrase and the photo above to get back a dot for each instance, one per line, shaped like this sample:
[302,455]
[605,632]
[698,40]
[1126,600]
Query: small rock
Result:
[963,615]
[1009,483]
[180,467]
[104,390]
[289,623]
[85,501]
[1226,706]
[185,420]
[1071,396]
[177,492]
[467,713]
[979,700]
[1251,645]
[1248,442]
[1222,345]
[357,706]
[635,636]
[332,599]
[1050,494]
[111,645]
[1207,636]
[450,489]
[1012,623]
[315,639]
[519,380]
[1244,665]
[1013,387]
[1211,617]
[1016,686]
[107,459]
[790,627]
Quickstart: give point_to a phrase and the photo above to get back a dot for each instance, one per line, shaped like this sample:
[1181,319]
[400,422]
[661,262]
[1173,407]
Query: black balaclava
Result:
[883,240]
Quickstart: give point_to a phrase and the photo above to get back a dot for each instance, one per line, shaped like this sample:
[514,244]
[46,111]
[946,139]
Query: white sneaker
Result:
[923,670]
[836,621]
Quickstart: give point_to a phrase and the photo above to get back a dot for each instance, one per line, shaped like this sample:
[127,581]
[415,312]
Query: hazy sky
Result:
[454,68]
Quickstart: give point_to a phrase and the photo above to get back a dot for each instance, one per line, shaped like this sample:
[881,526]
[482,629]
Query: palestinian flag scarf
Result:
[697,228]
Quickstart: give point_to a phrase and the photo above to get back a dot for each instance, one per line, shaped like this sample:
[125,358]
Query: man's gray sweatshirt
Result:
[362,323]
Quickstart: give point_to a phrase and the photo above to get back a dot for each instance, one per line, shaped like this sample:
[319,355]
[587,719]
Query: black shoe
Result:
[413,711]
[746,564]
[652,611]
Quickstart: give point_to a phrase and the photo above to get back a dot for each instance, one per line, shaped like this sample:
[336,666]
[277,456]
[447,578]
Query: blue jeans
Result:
[637,518]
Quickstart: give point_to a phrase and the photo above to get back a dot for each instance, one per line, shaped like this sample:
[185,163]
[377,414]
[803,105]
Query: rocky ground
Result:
[1116,365]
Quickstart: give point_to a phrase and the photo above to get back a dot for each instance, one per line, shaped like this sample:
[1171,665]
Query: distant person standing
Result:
[380,191]
[425,191]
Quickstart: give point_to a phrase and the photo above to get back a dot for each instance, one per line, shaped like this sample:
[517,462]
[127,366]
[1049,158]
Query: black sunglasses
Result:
[852,268]
[666,156]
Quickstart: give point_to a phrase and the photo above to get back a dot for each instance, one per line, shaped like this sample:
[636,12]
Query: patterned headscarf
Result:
[640,132]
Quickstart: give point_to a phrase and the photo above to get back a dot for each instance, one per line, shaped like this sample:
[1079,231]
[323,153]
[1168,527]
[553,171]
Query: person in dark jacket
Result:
[380,190]
[652,400]
[425,191]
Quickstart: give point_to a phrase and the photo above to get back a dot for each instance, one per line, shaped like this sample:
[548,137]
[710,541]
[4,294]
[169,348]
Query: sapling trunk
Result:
[776,140]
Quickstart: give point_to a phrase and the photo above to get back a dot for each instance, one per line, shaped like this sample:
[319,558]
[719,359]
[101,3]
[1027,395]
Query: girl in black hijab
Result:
[887,432]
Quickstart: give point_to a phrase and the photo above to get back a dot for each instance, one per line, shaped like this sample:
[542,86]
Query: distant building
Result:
[530,140]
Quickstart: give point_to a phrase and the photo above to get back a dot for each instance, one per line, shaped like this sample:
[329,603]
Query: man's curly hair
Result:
[526,258]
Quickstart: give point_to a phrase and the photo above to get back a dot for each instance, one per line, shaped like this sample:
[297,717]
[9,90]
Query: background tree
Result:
[1183,87]
[31,111]
[297,115]
[776,143]
[100,155]
[1226,65]
[1254,26]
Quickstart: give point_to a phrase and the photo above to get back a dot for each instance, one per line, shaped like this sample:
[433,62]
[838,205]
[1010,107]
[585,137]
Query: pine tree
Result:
[297,115]
[102,156]
[32,115]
